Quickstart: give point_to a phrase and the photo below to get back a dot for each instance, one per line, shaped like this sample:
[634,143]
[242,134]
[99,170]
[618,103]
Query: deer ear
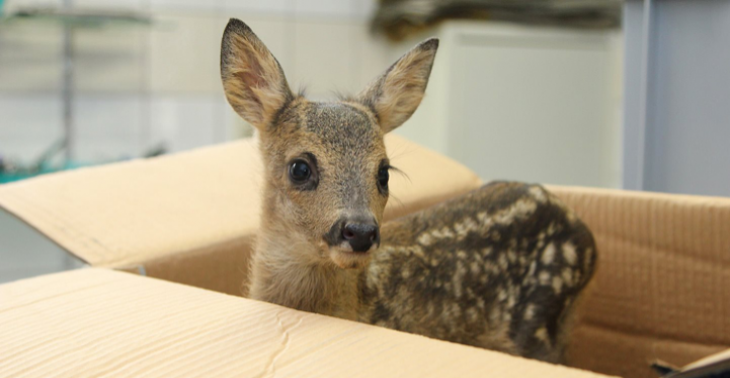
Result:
[396,94]
[253,80]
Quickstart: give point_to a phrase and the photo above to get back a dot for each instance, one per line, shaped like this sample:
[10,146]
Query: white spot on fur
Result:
[567,276]
[464,227]
[511,301]
[502,295]
[557,284]
[542,335]
[520,209]
[484,219]
[405,273]
[458,277]
[538,194]
[503,263]
[425,239]
[544,278]
[443,233]
[551,229]
[548,254]
[569,253]
[529,311]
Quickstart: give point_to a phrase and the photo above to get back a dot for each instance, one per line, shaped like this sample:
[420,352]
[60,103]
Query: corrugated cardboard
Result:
[662,288]
[192,217]
[101,323]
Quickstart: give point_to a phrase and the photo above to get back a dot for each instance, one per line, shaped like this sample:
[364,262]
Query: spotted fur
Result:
[499,268]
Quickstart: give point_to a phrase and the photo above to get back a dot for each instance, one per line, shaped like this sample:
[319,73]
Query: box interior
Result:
[660,291]
[661,287]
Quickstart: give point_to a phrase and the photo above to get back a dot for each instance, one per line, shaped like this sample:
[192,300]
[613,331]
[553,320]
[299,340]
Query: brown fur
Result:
[499,268]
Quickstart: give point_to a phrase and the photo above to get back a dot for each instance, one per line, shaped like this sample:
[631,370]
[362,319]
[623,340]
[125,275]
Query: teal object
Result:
[7,177]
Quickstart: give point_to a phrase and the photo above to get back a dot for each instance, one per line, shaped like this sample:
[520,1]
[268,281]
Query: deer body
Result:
[499,268]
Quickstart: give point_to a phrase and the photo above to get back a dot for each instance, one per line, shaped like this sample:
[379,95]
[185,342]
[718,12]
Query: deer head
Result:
[326,169]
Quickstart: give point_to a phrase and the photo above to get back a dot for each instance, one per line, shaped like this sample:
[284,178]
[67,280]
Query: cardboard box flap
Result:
[662,288]
[715,366]
[95,322]
[133,212]
[716,360]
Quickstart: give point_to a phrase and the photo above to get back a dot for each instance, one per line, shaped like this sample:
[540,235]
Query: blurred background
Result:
[619,94]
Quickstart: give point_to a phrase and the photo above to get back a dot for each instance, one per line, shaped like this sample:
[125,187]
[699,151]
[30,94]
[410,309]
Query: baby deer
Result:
[498,268]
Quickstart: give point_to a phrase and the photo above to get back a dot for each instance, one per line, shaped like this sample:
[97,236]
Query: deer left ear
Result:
[253,80]
[396,94]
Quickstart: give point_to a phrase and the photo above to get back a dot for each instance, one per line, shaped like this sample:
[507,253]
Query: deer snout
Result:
[361,236]
[359,233]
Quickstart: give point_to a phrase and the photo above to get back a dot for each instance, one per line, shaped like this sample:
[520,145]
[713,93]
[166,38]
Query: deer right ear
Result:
[396,94]
[253,80]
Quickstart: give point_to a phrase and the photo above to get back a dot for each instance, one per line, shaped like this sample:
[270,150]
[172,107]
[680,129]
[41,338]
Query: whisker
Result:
[400,172]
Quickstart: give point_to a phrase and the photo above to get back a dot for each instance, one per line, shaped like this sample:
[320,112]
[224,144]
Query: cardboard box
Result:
[662,289]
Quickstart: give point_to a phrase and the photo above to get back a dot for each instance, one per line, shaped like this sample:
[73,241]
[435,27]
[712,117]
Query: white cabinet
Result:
[524,103]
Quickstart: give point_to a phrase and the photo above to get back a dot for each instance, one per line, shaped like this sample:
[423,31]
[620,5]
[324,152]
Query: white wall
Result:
[534,104]
[136,87]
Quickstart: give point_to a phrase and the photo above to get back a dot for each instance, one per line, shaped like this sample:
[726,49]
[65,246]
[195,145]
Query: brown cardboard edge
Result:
[689,198]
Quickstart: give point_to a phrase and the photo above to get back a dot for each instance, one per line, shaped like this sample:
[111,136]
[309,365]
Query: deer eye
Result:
[383,177]
[299,171]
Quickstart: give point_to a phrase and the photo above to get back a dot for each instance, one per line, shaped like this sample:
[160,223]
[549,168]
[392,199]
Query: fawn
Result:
[499,268]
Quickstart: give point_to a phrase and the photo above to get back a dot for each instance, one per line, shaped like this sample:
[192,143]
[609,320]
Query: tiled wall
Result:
[137,87]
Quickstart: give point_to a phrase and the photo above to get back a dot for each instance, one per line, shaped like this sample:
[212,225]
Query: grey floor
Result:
[25,253]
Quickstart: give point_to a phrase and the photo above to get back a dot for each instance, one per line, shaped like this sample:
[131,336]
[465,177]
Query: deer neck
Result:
[288,270]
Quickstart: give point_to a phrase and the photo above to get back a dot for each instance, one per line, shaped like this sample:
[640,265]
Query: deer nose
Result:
[361,236]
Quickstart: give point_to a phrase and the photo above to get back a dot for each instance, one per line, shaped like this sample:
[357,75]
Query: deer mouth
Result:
[346,258]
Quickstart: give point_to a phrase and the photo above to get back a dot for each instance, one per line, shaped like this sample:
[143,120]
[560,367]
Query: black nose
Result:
[361,236]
